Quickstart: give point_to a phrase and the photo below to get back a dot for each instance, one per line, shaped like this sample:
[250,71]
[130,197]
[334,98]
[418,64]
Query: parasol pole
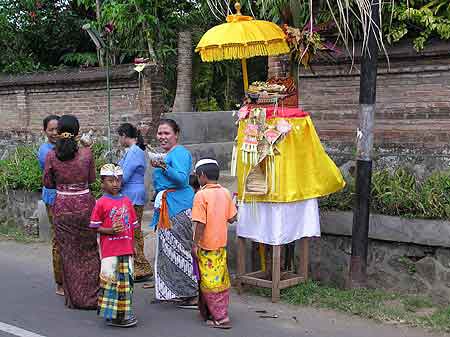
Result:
[244,74]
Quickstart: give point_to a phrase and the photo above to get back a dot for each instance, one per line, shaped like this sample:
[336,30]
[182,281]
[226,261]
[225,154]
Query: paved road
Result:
[28,302]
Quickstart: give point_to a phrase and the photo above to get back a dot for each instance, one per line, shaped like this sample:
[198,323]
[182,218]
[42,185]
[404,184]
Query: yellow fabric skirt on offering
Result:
[303,170]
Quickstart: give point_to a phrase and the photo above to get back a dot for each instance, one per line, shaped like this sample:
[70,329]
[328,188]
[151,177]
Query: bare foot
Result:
[59,290]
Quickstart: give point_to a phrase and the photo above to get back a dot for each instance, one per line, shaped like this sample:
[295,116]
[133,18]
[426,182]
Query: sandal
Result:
[217,325]
[144,278]
[127,323]
[192,306]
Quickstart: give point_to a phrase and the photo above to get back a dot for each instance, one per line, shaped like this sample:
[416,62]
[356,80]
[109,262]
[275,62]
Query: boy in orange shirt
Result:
[213,209]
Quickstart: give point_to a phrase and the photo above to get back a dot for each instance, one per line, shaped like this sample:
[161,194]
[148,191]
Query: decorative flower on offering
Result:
[283,126]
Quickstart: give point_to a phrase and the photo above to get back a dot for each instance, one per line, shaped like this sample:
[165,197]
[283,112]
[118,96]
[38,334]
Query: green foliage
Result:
[147,29]
[376,304]
[203,104]
[416,302]
[21,171]
[399,193]
[75,59]
[12,232]
[439,320]
[419,20]
[408,264]
[35,34]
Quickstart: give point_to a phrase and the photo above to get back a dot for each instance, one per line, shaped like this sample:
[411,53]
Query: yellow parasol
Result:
[242,37]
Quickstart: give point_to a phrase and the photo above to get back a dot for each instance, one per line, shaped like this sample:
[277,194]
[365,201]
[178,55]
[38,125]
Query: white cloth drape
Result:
[279,223]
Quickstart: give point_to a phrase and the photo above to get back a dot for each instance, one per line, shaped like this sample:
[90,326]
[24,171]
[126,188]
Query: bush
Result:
[21,171]
[399,193]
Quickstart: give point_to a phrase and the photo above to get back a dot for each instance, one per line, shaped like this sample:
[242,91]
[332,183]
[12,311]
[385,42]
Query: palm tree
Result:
[183,96]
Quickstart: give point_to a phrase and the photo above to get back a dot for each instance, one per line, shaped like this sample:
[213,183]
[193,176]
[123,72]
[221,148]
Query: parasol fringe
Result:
[243,51]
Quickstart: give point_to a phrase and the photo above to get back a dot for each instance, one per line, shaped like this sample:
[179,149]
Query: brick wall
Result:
[25,100]
[413,106]
[278,66]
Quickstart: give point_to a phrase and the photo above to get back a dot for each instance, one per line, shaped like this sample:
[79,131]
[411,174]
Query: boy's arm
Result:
[97,219]
[233,219]
[232,211]
[198,233]
[116,229]
[105,231]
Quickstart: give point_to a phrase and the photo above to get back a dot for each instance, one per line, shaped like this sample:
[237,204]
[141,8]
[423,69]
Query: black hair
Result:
[66,148]
[48,119]
[171,123]
[211,171]
[130,131]
[193,182]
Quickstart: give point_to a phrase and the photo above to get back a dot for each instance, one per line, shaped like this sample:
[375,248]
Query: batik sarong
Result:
[142,267]
[174,274]
[56,256]
[116,288]
[214,284]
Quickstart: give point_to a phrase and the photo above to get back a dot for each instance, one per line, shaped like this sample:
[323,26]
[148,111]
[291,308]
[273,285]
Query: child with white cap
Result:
[114,219]
[212,211]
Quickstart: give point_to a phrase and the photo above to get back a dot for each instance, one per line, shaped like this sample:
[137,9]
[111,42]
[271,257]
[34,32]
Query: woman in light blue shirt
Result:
[134,165]
[50,124]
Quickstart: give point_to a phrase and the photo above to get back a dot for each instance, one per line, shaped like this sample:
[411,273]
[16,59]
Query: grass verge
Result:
[379,305]
[13,233]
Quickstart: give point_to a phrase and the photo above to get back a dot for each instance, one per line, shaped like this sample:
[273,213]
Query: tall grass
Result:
[400,193]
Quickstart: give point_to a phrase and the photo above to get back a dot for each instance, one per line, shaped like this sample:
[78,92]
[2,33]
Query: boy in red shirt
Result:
[213,209]
[115,220]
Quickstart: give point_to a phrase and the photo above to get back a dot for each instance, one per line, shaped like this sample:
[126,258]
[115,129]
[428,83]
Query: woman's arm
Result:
[42,154]
[48,178]
[130,163]
[179,168]
[92,173]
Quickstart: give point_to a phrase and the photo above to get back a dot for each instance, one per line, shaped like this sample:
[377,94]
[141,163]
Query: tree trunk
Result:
[364,148]
[183,97]
[97,9]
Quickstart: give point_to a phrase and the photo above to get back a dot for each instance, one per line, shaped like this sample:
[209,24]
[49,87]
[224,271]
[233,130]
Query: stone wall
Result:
[405,255]
[19,209]
[413,107]
[26,99]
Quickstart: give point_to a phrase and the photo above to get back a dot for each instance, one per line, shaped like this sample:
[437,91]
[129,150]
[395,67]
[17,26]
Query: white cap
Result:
[111,170]
[202,162]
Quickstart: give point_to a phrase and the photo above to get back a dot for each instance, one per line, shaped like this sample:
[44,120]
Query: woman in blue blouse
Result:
[134,165]
[174,274]
[50,124]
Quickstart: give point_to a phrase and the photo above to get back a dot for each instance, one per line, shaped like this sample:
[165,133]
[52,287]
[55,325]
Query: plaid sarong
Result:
[116,291]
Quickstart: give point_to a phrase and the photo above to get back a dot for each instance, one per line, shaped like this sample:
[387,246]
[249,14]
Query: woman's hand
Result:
[158,163]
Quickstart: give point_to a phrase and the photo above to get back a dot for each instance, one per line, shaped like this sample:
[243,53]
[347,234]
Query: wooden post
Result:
[276,273]
[303,257]
[240,261]
[364,147]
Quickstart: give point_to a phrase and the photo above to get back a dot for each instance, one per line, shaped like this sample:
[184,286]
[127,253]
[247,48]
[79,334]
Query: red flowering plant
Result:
[306,43]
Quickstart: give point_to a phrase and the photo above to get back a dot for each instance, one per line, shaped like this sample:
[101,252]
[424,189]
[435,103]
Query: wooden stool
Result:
[277,280]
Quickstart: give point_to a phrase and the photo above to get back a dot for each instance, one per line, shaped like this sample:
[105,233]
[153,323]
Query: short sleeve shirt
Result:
[110,210]
[213,206]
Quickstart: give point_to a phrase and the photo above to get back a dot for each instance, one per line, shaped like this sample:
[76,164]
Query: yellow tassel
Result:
[233,52]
